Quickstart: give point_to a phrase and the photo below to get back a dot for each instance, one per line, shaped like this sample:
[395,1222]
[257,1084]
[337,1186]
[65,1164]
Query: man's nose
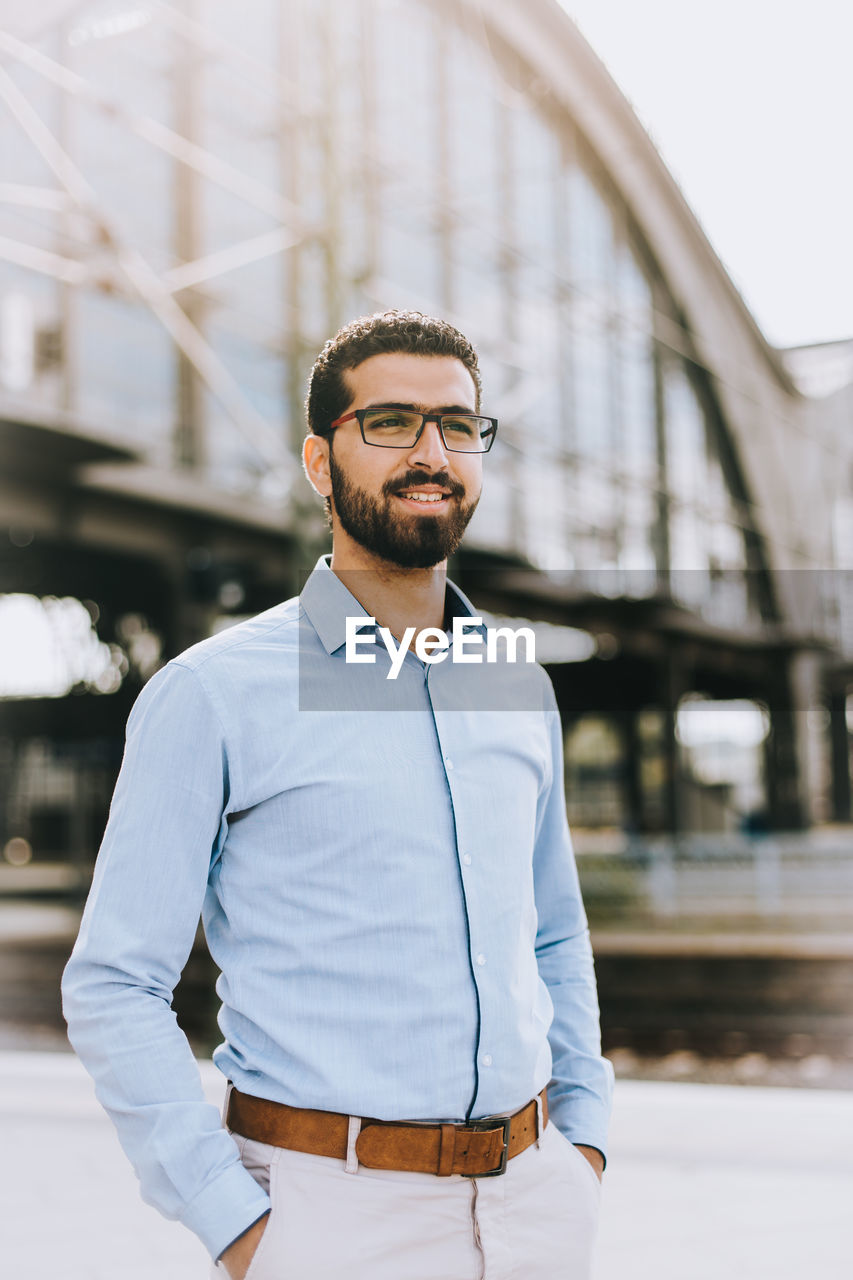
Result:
[428,451]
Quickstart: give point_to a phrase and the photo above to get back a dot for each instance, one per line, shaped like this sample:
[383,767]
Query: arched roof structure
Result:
[781,461]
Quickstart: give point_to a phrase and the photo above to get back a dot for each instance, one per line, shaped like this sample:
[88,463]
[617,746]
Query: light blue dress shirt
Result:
[387,885]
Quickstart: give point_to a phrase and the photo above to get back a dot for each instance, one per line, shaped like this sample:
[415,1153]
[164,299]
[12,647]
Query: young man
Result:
[387,885]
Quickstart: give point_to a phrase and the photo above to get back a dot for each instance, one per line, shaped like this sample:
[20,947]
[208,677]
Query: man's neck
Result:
[397,598]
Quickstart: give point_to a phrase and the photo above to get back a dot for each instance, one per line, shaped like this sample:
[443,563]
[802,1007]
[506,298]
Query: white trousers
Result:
[537,1221]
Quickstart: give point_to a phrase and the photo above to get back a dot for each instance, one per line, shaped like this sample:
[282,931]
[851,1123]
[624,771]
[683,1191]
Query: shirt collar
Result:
[327,604]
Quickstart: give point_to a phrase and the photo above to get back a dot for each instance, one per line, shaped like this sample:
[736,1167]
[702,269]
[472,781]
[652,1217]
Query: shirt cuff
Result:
[226,1208]
[584,1123]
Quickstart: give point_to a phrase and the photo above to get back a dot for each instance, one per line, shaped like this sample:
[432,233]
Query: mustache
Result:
[413,478]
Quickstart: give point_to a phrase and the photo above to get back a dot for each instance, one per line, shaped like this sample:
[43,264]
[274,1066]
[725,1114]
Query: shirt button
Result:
[481,959]
[448,763]
[466,858]
[487,1060]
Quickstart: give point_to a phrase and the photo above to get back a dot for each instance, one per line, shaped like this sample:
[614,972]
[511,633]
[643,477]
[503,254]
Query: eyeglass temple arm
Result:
[346,418]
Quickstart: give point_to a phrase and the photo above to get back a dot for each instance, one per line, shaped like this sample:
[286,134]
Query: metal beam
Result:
[43,261]
[209,41]
[225,260]
[33,197]
[254,428]
[204,162]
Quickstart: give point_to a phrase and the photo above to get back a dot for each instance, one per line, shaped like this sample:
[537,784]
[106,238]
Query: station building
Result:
[198,195]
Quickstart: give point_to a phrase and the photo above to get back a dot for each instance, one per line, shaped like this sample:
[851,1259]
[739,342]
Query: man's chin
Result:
[422,542]
[407,556]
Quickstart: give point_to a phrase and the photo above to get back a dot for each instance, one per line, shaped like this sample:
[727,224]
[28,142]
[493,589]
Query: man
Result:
[386,882]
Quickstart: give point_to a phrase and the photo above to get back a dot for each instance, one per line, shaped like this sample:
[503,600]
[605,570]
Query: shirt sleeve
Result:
[581,1088]
[166,824]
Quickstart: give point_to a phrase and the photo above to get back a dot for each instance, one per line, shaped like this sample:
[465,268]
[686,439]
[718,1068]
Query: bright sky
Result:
[750,102]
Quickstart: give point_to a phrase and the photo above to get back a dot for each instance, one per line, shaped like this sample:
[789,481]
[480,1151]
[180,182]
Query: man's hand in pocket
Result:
[238,1256]
[594,1156]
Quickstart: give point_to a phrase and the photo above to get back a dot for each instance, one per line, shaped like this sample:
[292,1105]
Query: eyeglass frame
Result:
[359,415]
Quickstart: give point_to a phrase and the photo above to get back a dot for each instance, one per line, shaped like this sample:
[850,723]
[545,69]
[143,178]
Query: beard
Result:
[402,538]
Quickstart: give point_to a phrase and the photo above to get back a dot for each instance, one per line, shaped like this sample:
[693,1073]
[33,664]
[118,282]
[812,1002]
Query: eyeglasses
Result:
[389,428]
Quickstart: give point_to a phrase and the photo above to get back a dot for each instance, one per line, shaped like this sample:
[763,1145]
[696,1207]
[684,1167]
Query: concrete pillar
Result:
[795,689]
[189,603]
[839,735]
[632,790]
[674,685]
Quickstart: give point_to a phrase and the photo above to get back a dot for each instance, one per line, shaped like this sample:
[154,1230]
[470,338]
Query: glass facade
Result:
[196,195]
[284,167]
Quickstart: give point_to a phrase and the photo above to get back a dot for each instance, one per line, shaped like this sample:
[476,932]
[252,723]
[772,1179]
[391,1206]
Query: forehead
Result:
[403,378]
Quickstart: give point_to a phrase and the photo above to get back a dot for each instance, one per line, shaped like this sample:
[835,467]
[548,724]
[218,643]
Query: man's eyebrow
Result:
[419,408]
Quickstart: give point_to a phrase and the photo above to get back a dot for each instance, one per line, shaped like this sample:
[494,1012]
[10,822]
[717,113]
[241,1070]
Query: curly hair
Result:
[386,332]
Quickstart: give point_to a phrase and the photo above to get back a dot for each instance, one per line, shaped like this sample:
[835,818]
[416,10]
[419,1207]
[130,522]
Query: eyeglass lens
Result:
[398,428]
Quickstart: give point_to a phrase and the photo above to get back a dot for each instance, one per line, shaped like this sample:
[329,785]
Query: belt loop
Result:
[353,1130]
[446,1150]
[540,1124]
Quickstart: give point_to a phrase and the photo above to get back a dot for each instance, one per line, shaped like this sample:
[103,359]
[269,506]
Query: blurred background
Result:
[193,197]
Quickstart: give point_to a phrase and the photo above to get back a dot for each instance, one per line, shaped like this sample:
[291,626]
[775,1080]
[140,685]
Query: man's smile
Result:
[433,496]
[425,496]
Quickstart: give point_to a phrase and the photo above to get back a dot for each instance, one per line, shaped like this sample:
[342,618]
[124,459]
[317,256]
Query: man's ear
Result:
[315,460]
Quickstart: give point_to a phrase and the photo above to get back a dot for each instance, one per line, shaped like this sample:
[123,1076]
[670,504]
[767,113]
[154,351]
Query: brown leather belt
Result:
[478,1149]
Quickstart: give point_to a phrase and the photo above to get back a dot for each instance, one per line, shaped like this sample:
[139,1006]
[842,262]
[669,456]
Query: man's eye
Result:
[392,421]
[460,426]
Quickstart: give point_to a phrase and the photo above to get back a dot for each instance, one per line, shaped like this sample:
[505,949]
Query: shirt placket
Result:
[451,751]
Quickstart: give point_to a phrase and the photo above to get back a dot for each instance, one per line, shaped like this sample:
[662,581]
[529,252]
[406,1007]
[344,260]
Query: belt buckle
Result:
[492,1126]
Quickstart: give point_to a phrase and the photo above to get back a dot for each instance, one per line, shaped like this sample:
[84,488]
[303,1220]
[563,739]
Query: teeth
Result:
[424,497]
